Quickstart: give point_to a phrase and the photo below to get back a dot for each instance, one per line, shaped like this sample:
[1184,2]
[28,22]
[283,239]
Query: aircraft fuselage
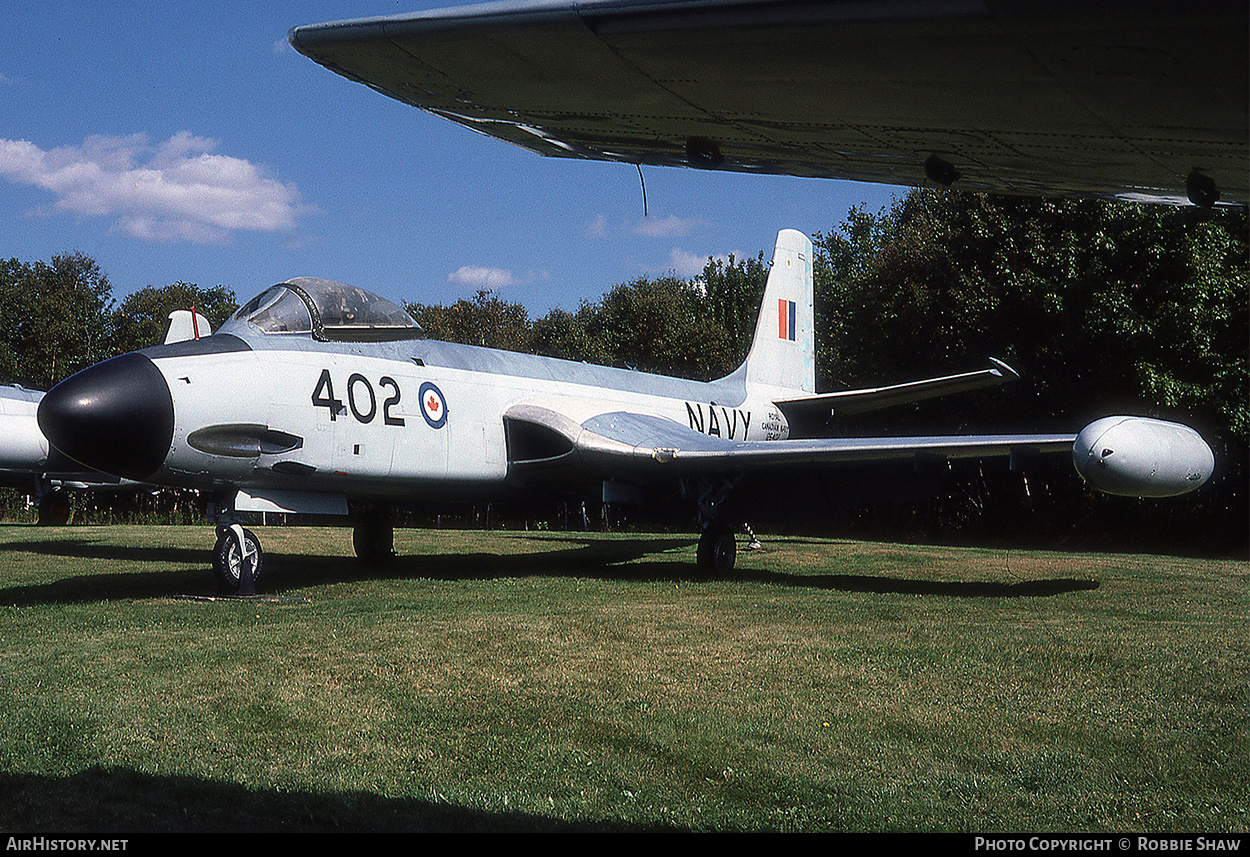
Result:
[417,419]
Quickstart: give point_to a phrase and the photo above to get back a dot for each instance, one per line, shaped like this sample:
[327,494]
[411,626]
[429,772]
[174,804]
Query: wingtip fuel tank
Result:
[1140,457]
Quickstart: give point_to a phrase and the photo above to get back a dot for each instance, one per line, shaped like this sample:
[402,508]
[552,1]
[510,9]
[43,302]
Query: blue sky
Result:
[188,141]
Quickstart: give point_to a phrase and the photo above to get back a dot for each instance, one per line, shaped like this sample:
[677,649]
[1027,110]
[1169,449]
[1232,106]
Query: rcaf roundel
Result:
[433,405]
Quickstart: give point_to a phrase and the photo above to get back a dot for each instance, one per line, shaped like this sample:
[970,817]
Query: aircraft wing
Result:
[645,445]
[1110,98]
[1126,455]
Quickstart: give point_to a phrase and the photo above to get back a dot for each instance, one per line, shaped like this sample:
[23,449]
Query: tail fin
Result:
[783,352]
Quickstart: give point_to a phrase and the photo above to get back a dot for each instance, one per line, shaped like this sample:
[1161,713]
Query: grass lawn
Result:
[579,681]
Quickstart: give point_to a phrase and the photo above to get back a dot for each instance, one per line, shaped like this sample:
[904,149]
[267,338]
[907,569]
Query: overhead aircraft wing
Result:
[1110,98]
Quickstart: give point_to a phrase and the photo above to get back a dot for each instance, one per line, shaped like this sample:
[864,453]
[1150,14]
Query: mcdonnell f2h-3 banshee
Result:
[322,398]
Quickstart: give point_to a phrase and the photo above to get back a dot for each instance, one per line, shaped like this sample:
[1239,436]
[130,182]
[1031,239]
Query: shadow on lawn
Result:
[122,801]
[605,559]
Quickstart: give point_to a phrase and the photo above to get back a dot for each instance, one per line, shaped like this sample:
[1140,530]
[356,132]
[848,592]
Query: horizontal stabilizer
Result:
[849,402]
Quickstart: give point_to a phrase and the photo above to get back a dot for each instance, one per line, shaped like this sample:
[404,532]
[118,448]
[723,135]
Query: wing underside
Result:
[1097,98]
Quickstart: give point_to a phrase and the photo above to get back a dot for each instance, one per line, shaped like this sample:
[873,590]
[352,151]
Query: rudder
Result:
[783,351]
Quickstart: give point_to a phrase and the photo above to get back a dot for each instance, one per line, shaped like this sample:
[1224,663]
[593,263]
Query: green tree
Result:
[486,320]
[1095,302]
[139,322]
[655,325]
[54,318]
[1104,307]
[15,288]
[568,336]
[729,295]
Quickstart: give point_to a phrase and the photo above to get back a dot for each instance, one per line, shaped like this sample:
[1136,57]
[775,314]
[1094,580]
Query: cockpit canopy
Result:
[330,311]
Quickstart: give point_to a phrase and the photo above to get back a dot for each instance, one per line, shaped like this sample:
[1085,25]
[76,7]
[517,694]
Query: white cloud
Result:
[682,263]
[598,228]
[687,265]
[667,227]
[476,277]
[175,191]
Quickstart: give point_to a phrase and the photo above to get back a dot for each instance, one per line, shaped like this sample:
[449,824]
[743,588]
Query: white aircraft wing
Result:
[1133,456]
[641,445]
[1109,98]
[670,444]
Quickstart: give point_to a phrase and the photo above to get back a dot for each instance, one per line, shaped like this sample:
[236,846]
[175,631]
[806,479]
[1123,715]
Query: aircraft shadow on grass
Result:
[595,558]
[119,799]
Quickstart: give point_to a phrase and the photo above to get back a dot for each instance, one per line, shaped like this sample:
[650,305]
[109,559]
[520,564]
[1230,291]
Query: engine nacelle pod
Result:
[1139,457]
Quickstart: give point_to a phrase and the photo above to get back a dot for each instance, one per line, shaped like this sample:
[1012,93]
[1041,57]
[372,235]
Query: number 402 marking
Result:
[363,403]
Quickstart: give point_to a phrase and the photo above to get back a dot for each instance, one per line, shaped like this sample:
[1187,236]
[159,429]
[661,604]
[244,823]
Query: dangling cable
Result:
[643,182]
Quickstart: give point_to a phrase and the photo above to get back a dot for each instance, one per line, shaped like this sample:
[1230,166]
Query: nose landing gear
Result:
[237,560]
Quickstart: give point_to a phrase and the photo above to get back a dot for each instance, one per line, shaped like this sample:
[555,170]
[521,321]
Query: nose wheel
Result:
[237,560]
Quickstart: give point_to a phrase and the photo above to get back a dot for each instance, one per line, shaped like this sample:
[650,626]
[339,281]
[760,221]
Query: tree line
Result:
[59,317]
[1102,307]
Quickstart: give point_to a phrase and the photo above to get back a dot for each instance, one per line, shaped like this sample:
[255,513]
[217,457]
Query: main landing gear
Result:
[373,537]
[718,551]
[718,546]
[54,508]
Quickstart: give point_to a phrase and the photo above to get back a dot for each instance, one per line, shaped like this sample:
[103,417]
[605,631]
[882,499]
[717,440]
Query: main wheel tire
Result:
[230,563]
[373,538]
[718,551]
[54,509]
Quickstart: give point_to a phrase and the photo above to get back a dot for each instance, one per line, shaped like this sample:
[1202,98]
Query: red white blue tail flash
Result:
[785,320]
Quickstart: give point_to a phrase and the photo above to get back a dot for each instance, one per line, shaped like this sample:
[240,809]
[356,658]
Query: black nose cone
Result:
[116,416]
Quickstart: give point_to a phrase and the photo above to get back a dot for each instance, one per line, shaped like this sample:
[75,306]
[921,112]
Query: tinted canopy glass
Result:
[277,310]
[329,310]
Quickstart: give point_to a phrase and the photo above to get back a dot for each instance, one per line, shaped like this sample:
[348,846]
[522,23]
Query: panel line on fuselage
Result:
[729,391]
